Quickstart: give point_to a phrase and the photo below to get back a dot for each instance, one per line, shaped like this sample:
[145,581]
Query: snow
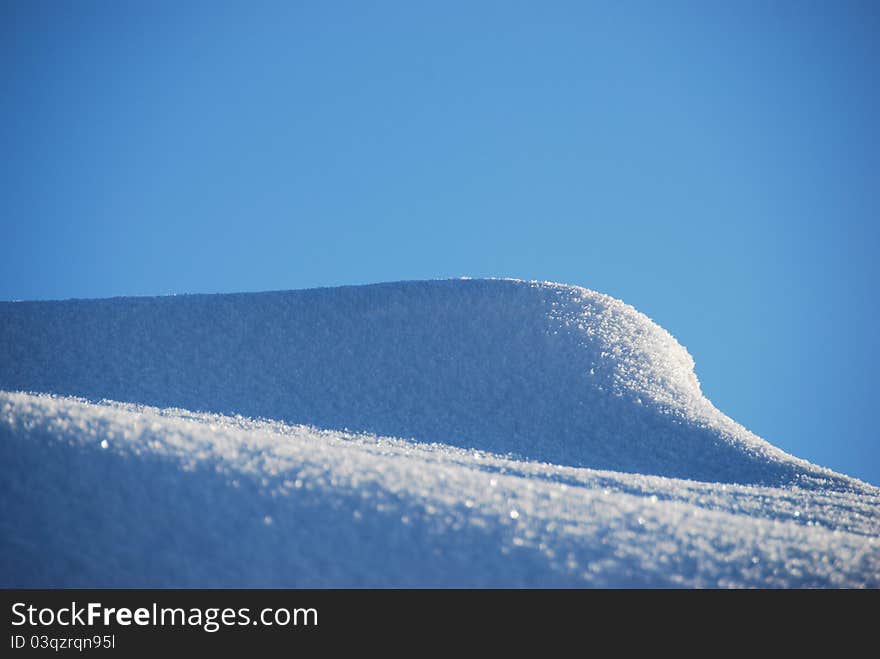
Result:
[443,433]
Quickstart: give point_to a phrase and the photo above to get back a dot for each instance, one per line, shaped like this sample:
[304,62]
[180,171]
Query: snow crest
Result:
[543,371]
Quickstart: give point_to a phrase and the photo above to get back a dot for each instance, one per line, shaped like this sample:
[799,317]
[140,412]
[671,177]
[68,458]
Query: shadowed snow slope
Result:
[544,371]
[114,495]
[453,433]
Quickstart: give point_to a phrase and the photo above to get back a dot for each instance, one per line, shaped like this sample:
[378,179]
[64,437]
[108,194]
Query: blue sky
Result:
[717,165]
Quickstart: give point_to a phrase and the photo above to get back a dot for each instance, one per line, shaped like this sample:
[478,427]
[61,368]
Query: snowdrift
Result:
[467,432]
[547,372]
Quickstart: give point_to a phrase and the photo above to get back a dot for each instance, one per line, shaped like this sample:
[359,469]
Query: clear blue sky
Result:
[717,165]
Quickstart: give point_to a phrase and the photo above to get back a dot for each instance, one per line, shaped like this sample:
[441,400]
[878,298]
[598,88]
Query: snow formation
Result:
[448,433]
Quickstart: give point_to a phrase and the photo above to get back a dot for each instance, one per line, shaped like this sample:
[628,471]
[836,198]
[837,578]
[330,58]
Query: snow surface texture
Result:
[545,433]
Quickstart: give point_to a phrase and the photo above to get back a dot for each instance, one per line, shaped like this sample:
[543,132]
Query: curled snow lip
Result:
[545,371]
